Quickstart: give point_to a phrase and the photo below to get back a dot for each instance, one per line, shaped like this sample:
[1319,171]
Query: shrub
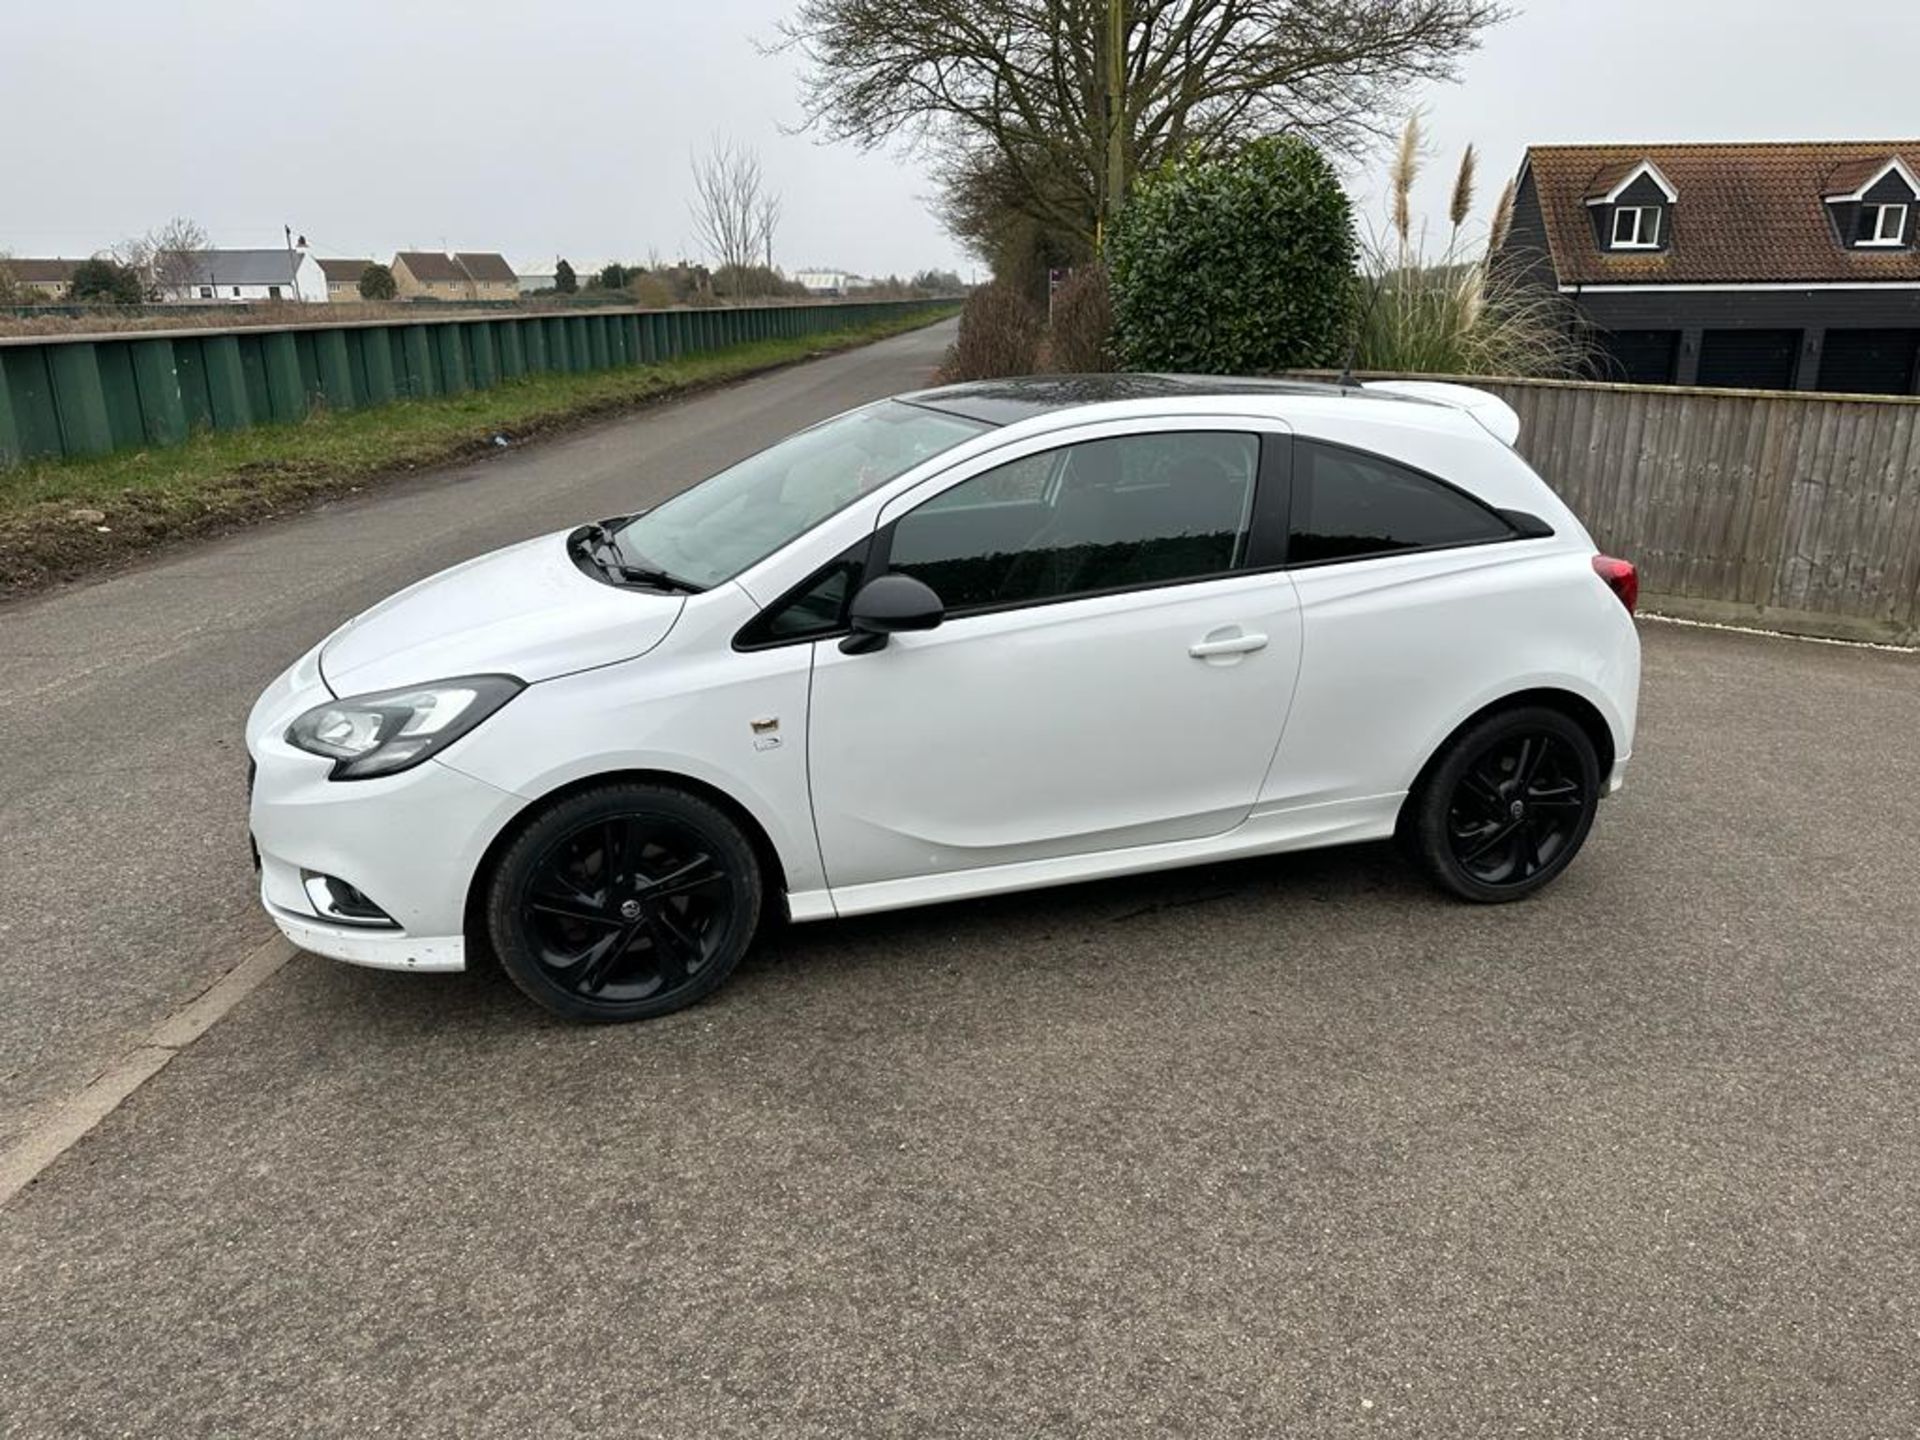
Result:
[1237,264]
[999,335]
[104,282]
[650,291]
[565,281]
[1079,337]
[377,283]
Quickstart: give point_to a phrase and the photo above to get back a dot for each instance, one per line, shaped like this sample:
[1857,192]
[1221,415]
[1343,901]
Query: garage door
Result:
[1869,362]
[1635,357]
[1749,359]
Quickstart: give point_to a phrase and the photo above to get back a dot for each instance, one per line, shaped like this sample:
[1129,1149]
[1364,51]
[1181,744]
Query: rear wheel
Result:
[1506,806]
[624,902]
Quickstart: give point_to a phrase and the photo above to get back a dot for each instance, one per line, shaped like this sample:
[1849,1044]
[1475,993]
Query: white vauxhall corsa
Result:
[964,641]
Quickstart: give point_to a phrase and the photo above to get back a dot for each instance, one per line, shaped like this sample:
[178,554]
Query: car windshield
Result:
[742,515]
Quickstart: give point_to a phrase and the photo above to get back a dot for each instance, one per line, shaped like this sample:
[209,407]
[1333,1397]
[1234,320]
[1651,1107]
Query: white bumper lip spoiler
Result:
[1492,413]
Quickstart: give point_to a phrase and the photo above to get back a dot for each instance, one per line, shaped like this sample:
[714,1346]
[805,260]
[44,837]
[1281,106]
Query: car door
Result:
[1114,668]
[1413,602]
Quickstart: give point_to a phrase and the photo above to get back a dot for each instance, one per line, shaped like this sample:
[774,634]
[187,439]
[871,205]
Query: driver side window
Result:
[1116,514]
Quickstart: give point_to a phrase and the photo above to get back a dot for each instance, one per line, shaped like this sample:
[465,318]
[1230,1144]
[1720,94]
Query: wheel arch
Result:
[1576,707]
[773,868]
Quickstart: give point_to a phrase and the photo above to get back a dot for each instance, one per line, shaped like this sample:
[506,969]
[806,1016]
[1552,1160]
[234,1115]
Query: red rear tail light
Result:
[1621,578]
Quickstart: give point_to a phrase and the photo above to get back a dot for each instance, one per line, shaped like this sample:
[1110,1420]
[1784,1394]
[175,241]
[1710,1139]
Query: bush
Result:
[650,291]
[999,335]
[377,283]
[103,282]
[1238,265]
[1079,339]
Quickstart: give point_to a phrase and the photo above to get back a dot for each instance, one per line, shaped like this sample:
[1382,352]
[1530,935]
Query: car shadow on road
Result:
[1110,932]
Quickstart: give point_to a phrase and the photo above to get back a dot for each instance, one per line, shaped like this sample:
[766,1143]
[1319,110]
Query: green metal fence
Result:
[69,395]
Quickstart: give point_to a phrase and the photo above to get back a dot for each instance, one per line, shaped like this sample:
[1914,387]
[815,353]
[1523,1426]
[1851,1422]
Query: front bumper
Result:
[411,843]
[361,945]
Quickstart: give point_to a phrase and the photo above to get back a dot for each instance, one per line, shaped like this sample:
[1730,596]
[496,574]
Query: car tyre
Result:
[624,902]
[1506,805]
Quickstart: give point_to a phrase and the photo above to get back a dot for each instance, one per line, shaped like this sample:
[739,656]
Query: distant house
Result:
[469,275]
[343,280]
[830,282]
[236,276]
[47,279]
[1758,266]
[490,275]
[535,275]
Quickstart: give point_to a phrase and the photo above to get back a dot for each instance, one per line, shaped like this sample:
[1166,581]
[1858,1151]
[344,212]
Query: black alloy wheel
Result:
[1507,805]
[624,902]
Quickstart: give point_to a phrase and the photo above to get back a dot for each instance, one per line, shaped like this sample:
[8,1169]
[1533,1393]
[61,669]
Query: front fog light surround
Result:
[391,730]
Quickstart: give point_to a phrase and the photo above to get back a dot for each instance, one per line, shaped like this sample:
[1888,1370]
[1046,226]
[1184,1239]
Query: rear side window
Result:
[1348,504]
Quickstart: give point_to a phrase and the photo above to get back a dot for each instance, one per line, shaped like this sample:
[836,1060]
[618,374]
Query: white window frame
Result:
[1880,237]
[1646,234]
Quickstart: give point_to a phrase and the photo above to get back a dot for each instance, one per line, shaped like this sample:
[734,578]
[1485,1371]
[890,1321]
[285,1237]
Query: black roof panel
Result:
[1002,402]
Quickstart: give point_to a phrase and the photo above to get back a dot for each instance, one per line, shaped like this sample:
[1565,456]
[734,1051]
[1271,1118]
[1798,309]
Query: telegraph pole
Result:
[1116,106]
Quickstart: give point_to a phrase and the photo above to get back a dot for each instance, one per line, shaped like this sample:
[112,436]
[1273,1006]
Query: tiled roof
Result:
[429,265]
[38,272]
[485,265]
[1747,213]
[343,271]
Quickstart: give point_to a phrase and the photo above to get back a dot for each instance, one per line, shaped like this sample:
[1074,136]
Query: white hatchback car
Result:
[963,641]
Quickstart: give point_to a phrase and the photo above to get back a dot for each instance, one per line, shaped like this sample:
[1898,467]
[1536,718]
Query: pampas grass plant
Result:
[1462,312]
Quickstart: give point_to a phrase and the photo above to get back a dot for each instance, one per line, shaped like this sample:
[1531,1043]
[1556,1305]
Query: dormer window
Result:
[1872,204]
[1883,224]
[1636,227]
[1630,207]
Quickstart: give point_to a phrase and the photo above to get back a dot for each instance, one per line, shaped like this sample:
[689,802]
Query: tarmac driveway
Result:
[1286,1147]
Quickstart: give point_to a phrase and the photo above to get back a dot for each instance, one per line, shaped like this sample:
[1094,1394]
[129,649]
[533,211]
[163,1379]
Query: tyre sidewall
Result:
[1430,835]
[514,874]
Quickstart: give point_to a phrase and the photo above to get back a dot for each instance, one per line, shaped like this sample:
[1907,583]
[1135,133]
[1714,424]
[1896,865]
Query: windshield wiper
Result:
[605,552]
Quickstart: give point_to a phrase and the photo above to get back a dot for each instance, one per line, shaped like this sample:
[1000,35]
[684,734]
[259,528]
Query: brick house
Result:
[469,275]
[47,279]
[343,280]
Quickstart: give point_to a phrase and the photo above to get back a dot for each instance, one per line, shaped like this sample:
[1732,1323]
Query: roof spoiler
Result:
[1494,415]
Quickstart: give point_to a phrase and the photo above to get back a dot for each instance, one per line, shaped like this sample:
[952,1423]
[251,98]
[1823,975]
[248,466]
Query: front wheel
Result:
[1506,806]
[624,902]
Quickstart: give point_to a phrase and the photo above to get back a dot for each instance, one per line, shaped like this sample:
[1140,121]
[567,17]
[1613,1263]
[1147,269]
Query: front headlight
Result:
[390,730]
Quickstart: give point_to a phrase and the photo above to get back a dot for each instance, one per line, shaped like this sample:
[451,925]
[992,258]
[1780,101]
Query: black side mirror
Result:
[889,604]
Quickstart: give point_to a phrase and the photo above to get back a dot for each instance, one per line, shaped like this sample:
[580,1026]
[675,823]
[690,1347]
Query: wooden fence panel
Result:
[1800,511]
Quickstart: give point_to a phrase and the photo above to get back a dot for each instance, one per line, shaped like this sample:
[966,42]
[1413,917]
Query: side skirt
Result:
[1340,822]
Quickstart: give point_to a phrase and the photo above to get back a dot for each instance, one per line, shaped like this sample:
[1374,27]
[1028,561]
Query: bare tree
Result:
[766,220]
[175,254]
[1062,102]
[733,213]
[134,255]
[12,291]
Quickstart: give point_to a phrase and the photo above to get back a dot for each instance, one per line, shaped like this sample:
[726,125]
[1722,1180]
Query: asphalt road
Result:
[125,888]
[1285,1147]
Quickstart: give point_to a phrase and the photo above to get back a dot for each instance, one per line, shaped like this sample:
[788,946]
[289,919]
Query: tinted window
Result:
[1347,504]
[1109,514]
[815,607]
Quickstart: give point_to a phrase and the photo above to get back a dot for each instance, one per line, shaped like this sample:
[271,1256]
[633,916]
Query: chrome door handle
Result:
[1227,645]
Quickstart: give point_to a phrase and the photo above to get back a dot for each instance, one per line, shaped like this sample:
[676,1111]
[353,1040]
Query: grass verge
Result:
[68,517]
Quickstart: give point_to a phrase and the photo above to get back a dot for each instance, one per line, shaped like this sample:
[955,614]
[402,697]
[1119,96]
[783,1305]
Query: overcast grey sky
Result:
[565,126]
